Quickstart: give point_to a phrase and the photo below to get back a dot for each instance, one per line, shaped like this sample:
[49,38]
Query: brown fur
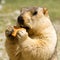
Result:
[38,41]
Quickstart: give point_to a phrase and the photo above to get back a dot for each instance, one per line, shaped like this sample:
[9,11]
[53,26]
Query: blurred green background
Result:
[10,9]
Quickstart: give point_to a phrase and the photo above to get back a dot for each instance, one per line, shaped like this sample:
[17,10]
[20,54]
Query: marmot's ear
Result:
[45,11]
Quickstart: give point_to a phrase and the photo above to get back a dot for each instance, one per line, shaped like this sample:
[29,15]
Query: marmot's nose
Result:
[20,20]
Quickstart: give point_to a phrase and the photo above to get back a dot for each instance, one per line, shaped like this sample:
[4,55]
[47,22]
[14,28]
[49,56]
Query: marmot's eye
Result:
[34,13]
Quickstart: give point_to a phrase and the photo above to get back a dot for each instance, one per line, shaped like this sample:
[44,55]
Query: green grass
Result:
[52,5]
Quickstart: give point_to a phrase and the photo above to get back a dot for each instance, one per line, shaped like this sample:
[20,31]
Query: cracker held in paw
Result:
[37,42]
[16,29]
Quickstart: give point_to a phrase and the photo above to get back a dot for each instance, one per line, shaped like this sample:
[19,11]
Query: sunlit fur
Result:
[39,42]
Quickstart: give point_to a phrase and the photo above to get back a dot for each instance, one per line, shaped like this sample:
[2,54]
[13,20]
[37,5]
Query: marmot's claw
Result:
[22,34]
[9,31]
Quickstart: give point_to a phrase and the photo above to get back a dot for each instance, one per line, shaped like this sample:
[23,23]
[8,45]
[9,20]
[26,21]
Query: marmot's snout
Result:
[20,20]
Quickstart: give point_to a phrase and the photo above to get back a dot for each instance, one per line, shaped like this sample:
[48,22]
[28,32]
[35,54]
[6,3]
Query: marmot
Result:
[37,41]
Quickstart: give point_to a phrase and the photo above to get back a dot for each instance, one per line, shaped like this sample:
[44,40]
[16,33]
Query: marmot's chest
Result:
[29,50]
[29,55]
[32,55]
[32,52]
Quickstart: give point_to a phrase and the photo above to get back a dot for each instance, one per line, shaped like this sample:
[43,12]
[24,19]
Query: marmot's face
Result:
[29,18]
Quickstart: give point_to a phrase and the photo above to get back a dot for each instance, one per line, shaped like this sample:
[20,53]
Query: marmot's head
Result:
[30,17]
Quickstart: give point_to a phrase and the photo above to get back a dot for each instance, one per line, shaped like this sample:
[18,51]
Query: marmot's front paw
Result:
[22,34]
[9,31]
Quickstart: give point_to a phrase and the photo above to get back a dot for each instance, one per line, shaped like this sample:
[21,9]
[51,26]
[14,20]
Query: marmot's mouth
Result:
[26,27]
